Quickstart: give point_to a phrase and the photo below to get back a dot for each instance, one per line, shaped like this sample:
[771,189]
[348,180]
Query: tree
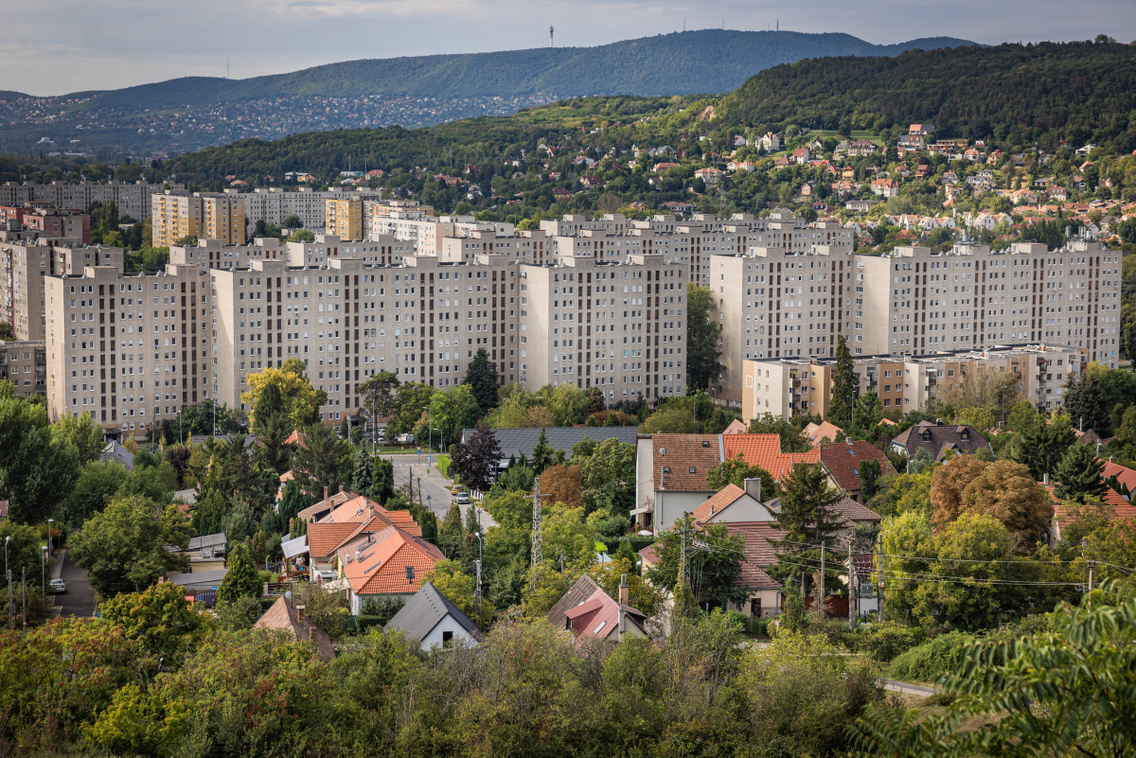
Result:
[607,478]
[158,617]
[242,579]
[735,471]
[542,454]
[1079,475]
[1085,403]
[454,410]
[456,585]
[126,547]
[1043,446]
[292,221]
[37,464]
[322,462]
[481,376]
[97,483]
[451,535]
[808,521]
[703,339]
[302,402]
[476,459]
[413,399]
[983,387]
[1055,693]
[714,569]
[1003,490]
[672,418]
[82,432]
[567,403]
[378,395]
[869,411]
[562,485]
[870,473]
[364,474]
[844,386]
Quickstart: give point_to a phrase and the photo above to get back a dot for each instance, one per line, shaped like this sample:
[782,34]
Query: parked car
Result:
[462,498]
[406,439]
[324,576]
[457,488]
[56,587]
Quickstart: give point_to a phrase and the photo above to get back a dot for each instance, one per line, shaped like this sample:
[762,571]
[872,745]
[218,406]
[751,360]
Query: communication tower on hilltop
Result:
[550,31]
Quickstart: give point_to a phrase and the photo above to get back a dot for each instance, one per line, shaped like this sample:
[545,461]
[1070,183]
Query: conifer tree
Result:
[808,520]
[843,387]
[542,455]
[1079,475]
[451,535]
[481,376]
[242,579]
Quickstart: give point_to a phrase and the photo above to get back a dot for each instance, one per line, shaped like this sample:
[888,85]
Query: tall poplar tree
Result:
[843,387]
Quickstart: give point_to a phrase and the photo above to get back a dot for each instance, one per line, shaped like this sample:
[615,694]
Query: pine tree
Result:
[242,579]
[481,376]
[1086,404]
[364,476]
[870,473]
[808,520]
[382,481]
[542,455]
[844,385]
[451,535]
[1079,475]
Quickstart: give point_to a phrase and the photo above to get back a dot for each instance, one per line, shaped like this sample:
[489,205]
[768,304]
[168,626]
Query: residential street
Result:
[435,487]
[79,600]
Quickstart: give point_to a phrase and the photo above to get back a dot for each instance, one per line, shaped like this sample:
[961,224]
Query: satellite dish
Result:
[288,594]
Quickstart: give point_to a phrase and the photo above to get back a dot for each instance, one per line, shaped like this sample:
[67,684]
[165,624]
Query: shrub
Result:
[931,660]
[883,642]
[364,623]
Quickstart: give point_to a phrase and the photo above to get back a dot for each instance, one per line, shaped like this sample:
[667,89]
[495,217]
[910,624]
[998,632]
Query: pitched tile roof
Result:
[582,589]
[677,454]
[757,535]
[1124,475]
[725,497]
[650,555]
[852,512]
[843,459]
[422,613]
[395,565]
[1124,509]
[826,430]
[936,439]
[325,506]
[765,451]
[284,615]
[323,539]
[599,615]
[736,427]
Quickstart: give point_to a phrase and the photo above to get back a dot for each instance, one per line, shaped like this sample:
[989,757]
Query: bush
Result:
[883,642]
[758,626]
[931,660]
[364,623]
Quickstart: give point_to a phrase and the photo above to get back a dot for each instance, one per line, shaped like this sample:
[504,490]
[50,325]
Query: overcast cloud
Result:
[61,46]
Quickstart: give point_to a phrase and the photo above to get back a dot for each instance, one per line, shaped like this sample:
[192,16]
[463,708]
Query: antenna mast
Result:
[537,527]
[550,31]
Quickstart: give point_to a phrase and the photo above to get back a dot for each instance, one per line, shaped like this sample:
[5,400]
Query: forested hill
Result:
[1079,91]
[712,60]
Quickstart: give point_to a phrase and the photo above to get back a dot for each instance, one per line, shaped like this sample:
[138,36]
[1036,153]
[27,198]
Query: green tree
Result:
[378,395]
[542,454]
[97,483]
[364,475]
[82,432]
[481,376]
[475,460]
[126,547]
[321,461]
[703,339]
[735,471]
[869,477]
[607,478]
[301,401]
[452,411]
[159,618]
[844,386]
[673,418]
[1085,403]
[1079,475]
[413,399]
[451,535]
[37,464]
[808,520]
[242,579]
[714,570]
[1044,445]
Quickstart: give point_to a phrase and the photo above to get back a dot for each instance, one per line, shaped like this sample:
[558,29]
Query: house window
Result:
[446,637]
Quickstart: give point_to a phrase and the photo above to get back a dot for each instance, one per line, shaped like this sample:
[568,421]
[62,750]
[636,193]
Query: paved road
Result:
[906,687]
[79,600]
[435,487]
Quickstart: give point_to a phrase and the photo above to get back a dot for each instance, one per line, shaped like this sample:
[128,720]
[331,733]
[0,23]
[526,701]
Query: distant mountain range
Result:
[192,112]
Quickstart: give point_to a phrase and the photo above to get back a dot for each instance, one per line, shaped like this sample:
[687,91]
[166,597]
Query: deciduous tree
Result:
[703,340]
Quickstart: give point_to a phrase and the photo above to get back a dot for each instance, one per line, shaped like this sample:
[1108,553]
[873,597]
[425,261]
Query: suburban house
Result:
[284,615]
[349,523]
[819,433]
[670,470]
[853,514]
[939,439]
[433,620]
[842,462]
[1121,507]
[389,563]
[206,553]
[732,503]
[1120,478]
[764,591]
[589,613]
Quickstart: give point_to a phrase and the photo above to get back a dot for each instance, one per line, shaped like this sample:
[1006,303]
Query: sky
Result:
[65,46]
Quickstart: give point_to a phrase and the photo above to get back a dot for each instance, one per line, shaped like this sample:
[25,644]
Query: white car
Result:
[462,498]
[56,587]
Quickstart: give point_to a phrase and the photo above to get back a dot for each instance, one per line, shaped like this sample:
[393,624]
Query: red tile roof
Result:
[323,539]
[825,430]
[382,569]
[1124,509]
[736,427]
[679,453]
[324,506]
[716,504]
[1124,475]
[843,459]
[759,553]
[853,511]
[284,615]
[765,451]
[598,616]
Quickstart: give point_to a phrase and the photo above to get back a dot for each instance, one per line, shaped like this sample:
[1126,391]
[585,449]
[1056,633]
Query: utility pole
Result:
[24,592]
[682,552]
[822,581]
[1091,567]
[853,589]
[537,527]
[11,610]
[880,576]
[477,583]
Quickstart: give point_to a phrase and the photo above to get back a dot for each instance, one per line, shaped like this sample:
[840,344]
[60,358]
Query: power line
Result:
[922,577]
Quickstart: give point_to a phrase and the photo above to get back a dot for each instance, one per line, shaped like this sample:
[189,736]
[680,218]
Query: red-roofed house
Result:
[732,503]
[825,430]
[395,563]
[1125,477]
[600,617]
[842,462]
[1122,510]
[764,591]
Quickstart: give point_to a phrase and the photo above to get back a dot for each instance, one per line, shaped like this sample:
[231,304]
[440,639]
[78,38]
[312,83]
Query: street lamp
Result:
[8,576]
[43,570]
[49,523]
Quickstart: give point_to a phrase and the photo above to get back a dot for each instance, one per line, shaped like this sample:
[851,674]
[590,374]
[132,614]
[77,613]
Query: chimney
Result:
[341,488]
[753,488]
[1045,480]
[624,591]
[325,493]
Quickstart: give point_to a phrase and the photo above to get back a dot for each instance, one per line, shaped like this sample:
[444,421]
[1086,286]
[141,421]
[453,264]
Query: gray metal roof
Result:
[292,548]
[520,442]
[424,611]
[204,580]
[208,540]
[581,590]
[114,451]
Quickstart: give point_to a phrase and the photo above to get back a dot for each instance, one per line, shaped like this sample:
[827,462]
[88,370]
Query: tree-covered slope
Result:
[681,63]
[1077,91]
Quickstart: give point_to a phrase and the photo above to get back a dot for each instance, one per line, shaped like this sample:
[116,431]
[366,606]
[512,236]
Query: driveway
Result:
[79,599]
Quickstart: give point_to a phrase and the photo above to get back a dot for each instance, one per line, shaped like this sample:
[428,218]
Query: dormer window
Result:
[692,469]
[705,443]
[666,469]
[927,436]
[965,435]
